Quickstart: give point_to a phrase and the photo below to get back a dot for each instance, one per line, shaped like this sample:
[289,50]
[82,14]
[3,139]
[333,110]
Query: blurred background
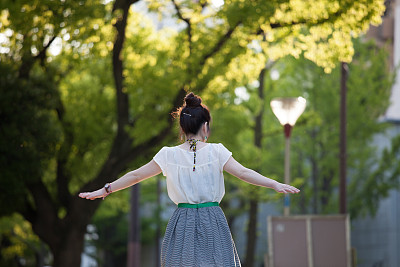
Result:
[86,92]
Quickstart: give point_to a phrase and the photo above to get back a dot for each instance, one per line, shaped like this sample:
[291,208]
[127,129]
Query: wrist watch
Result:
[107,187]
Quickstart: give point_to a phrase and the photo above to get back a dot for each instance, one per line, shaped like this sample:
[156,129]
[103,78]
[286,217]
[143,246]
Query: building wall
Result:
[393,113]
[377,239]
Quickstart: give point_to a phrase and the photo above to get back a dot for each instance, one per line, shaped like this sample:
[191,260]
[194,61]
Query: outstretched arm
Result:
[146,171]
[252,177]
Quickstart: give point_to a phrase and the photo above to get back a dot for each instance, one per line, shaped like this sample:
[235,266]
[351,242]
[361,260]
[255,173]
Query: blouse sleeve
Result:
[161,159]
[223,154]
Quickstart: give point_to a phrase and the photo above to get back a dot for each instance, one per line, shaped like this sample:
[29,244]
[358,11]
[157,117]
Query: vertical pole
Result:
[343,129]
[134,229]
[158,228]
[286,209]
[314,172]
[287,129]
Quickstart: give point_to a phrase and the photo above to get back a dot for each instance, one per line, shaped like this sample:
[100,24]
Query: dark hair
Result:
[192,114]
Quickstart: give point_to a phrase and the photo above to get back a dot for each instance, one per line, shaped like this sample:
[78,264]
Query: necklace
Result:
[193,147]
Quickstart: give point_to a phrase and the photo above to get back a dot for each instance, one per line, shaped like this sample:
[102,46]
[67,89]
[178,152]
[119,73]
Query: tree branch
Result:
[203,4]
[42,54]
[122,97]
[63,195]
[28,60]
[224,38]
[187,21]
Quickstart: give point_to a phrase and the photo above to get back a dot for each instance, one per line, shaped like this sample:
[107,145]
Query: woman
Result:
[197,233]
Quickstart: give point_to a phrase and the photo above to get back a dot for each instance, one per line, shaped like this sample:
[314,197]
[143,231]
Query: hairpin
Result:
[187,114]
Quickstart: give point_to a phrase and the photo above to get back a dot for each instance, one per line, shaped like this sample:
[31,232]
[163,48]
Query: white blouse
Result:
[205,184]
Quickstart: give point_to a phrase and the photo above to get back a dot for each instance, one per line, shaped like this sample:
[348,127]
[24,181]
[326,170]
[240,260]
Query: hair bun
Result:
[192,100]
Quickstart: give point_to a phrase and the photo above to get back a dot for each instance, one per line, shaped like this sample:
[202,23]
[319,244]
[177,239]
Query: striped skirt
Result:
[198,237]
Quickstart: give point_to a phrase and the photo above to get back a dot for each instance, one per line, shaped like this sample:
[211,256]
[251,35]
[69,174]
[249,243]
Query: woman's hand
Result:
[101,193]
[285,188]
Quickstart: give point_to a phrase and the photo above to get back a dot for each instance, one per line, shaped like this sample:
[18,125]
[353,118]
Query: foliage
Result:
[322,30]
[315,146]
[383,176]
[89,115]
[19,246]
[31,25]
[26,148]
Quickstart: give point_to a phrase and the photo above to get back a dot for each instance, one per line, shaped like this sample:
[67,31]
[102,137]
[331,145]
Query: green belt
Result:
[196,206]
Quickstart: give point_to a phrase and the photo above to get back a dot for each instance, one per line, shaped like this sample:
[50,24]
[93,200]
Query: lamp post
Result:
[288,110]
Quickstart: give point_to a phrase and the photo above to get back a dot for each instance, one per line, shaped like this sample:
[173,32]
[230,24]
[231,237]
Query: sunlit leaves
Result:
[321,29]
[35,23]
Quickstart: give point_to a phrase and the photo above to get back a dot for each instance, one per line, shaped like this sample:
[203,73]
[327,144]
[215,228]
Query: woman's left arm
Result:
[252,177]
[146,171]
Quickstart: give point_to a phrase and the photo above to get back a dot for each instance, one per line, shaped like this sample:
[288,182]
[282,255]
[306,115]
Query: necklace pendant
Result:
[193,147]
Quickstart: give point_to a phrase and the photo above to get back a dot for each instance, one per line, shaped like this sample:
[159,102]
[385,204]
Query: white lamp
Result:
[288,110]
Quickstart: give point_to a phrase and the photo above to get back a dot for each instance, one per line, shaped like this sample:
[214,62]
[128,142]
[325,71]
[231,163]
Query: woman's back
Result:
[205,183]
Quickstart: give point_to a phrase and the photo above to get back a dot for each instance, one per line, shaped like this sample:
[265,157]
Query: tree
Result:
[56,146]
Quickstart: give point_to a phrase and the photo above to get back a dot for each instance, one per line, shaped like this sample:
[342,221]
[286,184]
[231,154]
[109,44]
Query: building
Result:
[377,239]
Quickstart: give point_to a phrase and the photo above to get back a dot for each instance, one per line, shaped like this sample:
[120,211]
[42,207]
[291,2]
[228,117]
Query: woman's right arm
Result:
[252,177]
[149,170]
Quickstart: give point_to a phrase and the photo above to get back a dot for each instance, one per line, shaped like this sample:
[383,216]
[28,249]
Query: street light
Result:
[288,110]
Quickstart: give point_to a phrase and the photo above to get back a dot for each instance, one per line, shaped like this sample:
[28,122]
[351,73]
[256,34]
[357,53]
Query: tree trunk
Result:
[252,233]
[326,190]
[68,253]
